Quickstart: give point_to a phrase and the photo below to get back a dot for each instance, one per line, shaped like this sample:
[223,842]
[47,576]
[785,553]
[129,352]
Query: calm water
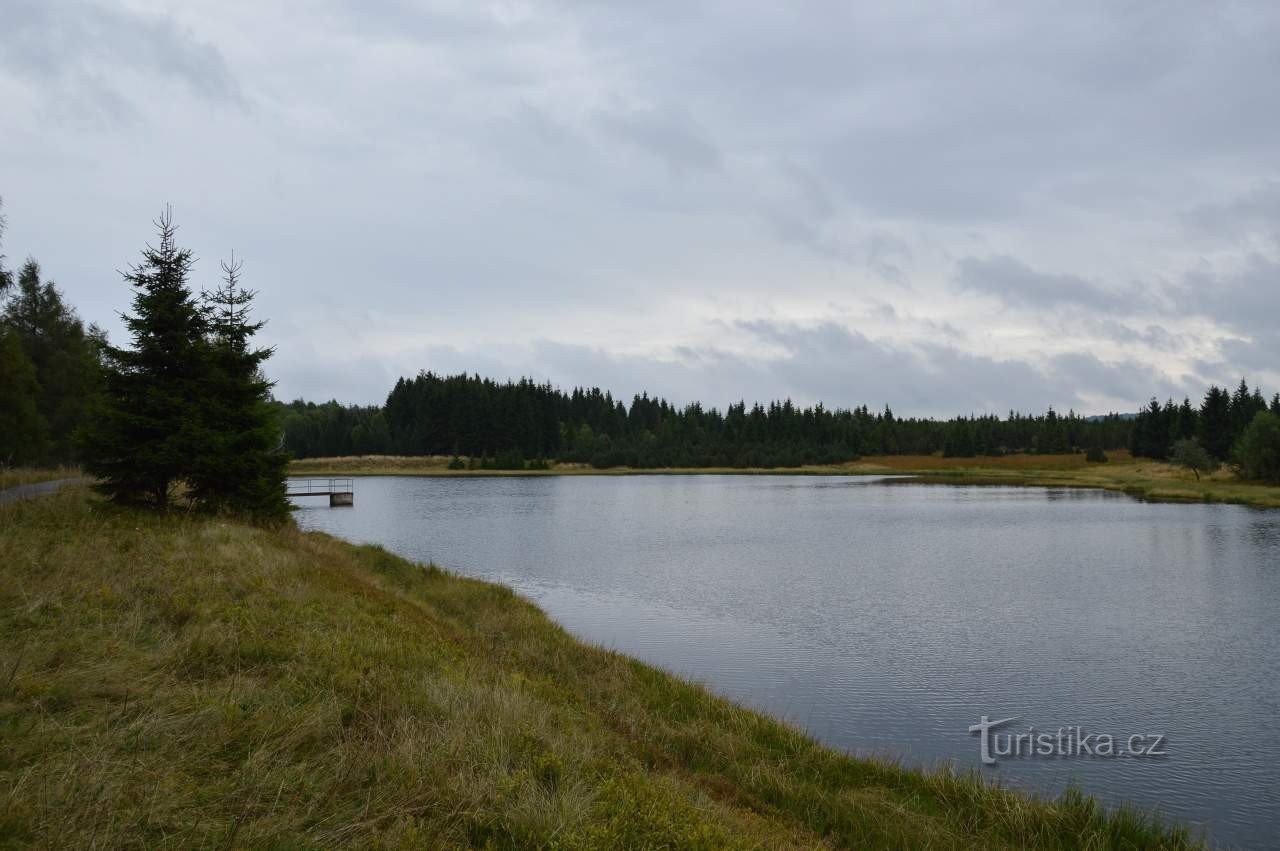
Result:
[887,617]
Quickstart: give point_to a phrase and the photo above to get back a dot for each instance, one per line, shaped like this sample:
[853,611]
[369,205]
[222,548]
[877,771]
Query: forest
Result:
[506,424]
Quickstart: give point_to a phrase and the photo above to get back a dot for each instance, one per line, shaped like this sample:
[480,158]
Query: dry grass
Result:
[1143,478]
[14,476]
[183,682]
[1140,477]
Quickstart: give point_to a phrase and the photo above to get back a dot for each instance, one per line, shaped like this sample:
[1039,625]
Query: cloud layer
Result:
[969,208]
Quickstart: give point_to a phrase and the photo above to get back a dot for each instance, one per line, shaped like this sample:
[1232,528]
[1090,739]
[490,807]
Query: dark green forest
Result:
[511,423]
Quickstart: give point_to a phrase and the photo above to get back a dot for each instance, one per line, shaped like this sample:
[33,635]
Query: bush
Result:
[1257,453]
[1190,454]
[456,463]
[1095,455]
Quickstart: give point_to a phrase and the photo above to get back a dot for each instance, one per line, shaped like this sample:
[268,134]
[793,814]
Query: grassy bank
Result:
[438,465]
[1139,477]
[182,682]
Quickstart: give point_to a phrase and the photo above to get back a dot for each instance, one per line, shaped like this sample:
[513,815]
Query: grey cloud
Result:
[1116,380]
[1247,301]
[83,47]
[1246,298]
[1256,210]
[669,134]
[1153,336]
[839,366]
[431,165]
[962,113]
[1016,283]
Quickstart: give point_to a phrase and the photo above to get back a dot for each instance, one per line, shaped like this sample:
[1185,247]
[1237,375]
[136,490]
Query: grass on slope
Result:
[184,682]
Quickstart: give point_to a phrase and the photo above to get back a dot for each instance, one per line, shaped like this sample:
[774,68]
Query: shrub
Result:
[1095,455]
[1257,453]
[1190,454]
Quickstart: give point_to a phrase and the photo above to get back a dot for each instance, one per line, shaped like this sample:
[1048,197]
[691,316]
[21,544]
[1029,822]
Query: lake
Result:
[887,617]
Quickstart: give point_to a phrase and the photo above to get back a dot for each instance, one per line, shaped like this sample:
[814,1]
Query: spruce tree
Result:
[1214,426]
[64,355]
[239,466]
[22,429]
[142,437]
[1243,408]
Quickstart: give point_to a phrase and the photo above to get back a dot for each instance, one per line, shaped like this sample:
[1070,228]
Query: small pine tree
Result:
[239,466]
[141,438]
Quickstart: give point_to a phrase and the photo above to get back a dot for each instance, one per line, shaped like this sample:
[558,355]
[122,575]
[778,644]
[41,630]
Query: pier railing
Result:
[319,487]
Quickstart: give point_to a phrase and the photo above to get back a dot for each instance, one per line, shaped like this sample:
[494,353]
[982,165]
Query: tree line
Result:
[183,412]
[1217,423]
[1239,427]
[511,423]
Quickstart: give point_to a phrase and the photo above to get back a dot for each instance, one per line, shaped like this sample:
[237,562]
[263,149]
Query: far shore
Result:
[1140,477]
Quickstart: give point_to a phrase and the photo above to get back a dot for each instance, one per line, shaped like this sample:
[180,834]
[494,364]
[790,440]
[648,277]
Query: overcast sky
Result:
[961,207]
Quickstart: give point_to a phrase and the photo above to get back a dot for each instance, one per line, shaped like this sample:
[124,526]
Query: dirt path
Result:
[18,492]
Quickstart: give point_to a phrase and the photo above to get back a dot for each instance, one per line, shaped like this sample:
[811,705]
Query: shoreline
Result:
[1151,481]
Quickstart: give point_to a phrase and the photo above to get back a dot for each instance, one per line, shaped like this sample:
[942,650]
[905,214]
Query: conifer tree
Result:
[239,467]
[142,438]
[1214,426]
[21,427]
[64,355]
[1244,405]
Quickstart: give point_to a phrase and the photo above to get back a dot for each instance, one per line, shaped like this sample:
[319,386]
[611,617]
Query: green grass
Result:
[171,681]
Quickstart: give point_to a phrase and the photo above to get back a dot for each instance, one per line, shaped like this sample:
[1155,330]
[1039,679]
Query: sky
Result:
[944,207]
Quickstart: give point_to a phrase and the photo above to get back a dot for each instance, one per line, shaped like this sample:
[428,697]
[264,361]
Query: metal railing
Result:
[318,487]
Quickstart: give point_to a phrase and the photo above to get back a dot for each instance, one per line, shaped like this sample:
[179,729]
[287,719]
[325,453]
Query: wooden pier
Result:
[340,491]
